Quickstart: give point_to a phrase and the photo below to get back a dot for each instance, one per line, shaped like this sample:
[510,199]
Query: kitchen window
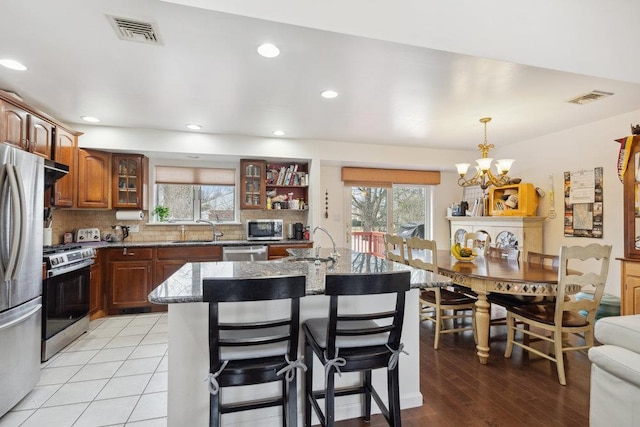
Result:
[193,193]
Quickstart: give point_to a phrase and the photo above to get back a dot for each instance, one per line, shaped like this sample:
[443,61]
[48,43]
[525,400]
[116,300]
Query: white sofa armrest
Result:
[618,361]
[621,331]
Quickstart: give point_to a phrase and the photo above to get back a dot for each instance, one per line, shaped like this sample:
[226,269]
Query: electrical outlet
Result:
[134,229]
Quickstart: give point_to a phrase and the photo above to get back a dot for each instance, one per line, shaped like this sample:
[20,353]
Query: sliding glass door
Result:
[374,211]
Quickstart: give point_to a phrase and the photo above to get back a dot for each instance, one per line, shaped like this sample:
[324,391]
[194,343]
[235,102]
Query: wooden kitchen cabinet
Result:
[65,151]
[630,283]
[252,184]
[130,280]
[279,250]
[93,179]
[96,291]
[129,181]
[170,259]
[24,130]
[13,125]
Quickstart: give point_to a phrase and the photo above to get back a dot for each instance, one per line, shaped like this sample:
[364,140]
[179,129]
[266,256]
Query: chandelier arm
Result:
[498,181]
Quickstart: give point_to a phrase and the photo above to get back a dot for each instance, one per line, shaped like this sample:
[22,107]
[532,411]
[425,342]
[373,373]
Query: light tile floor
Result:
[114,375]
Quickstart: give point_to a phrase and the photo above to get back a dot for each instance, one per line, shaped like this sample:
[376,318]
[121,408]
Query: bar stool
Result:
[254,352]
[356,343]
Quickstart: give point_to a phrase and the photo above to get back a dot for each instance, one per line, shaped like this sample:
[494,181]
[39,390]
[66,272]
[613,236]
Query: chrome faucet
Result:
[213,226]
[334,255]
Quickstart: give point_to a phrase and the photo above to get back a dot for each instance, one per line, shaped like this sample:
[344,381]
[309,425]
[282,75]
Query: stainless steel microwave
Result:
[264,229]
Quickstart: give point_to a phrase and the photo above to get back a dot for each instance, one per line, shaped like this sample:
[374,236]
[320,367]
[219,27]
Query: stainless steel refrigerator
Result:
[21,226]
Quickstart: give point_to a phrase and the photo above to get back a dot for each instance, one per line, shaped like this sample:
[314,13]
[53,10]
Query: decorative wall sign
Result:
[583,203]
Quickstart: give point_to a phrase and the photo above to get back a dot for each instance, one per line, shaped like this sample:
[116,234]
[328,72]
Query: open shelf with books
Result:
[287,183]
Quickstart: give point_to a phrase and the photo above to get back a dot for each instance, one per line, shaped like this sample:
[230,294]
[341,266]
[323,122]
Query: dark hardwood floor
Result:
[519,391]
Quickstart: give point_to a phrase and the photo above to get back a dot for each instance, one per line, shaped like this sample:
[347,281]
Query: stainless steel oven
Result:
[65,296]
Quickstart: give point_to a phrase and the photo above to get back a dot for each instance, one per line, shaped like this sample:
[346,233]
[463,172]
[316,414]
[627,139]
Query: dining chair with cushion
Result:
[560,323]
[437,302]
[345,342]
[257,352]
[394,248]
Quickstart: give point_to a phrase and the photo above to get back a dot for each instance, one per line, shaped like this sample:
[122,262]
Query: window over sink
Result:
[193,193]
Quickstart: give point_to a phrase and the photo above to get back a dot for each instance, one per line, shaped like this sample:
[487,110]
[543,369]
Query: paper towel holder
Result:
[129,215]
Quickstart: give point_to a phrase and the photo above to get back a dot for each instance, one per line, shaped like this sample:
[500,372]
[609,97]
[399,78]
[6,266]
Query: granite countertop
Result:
[185,285]
[125,244]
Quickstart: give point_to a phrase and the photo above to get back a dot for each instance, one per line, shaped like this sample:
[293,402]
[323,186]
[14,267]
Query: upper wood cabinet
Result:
[252,184]
[13,125]
[40,136]
[24,130]
[93,179]
[65,149]
[129,181]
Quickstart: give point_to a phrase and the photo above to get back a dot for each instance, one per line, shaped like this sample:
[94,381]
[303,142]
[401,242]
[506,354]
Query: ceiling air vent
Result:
[137,31]
[594,95]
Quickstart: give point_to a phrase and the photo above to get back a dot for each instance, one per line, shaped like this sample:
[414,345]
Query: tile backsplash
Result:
[70,220]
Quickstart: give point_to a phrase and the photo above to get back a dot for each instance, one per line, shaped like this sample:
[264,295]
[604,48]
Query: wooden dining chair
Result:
[436,302]
[510,254]
[394,248]
[543,259]
[560,323]
[480,241]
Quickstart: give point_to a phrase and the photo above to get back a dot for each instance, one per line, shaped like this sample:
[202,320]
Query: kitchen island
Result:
[188,398]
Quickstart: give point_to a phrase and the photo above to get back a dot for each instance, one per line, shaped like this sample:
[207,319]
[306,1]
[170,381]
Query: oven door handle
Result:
[68,269]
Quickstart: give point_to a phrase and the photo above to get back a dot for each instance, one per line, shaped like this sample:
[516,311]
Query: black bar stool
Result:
[254,352]
[356,342]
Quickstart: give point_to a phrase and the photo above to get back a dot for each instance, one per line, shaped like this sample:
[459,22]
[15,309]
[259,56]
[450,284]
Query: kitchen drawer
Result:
[208,252]
[130,254]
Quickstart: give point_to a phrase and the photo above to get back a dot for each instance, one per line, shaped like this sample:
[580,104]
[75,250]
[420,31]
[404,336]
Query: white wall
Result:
[584,147]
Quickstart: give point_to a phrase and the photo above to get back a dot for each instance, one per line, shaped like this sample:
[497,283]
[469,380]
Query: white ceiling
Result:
[407,91]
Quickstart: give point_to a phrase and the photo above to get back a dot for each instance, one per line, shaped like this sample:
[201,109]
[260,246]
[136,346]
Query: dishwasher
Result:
[245,253]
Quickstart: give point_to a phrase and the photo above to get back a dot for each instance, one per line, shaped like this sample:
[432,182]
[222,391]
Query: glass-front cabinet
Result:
[252,184]
[630,283]
[129,181]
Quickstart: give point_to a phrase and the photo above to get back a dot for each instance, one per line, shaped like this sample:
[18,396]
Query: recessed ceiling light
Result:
[329,94]
[194,127]
[268,50]
[12,64]
[90,119]
[278,132]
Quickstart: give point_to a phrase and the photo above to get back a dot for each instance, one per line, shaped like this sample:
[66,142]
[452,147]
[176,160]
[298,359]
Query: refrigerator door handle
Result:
[22,232]
[21,318]
[4,201]
[17,206]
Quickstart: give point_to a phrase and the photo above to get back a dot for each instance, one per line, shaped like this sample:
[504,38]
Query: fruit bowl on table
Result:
[464,258]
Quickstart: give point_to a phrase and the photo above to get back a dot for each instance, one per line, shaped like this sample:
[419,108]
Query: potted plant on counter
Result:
[162,212]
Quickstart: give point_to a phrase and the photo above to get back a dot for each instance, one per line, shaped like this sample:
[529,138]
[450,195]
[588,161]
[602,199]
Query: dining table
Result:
[485,275]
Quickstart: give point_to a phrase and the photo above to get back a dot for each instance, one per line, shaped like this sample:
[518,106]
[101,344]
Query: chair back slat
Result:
[543,259]
[480,242]
[253,289]
[429,250]
[337,285]
[510,254]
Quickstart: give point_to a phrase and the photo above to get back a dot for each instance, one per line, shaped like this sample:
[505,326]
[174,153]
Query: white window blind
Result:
[198,176]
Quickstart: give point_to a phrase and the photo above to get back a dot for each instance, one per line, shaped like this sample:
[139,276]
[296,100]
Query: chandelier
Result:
[484,177]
